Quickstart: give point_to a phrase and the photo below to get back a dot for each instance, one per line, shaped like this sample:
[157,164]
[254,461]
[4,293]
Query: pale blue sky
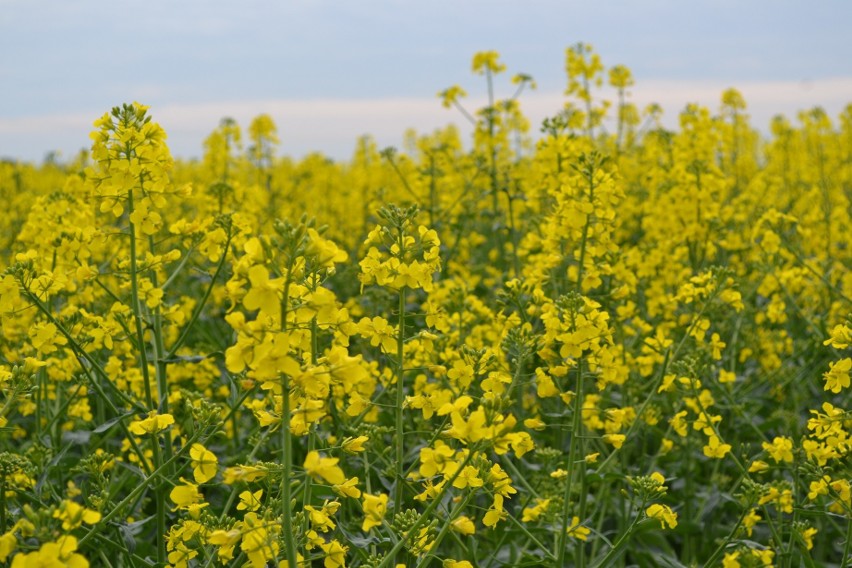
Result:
[330,70]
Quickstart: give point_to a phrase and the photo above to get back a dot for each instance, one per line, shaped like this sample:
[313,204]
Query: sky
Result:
[328,71]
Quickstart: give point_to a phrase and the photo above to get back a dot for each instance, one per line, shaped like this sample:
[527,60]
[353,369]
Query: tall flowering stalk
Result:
[401,259]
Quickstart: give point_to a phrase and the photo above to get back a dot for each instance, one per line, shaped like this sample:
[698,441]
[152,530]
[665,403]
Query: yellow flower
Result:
[152,425]
[495,513]
[840,337]
[226,541]
[617,440]
[533,513]
[145,219]
[781,449]
[808,536]
[323,468]
[264,293]
[73,515]
[731,560]
[180,556]
[348,488]
[335,554]
[464,525]
[379,331]
[435,460]
[204,463]
[243,473]
[8,543]
[259,542]
[837,377]
[679,424]
[320,518]
[662,512]
[716,346]
[715,448]
[471,430]
[576,530]
[46,337]
[451,95]
[727,376]
[250,501]
[487,61]
[782,499]
[186,494]
[750,520]
[375,507]
[819,487]
[53,554]
[450,563]
[354,445]
[469,477]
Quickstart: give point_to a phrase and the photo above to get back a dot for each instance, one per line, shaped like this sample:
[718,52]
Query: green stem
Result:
[400,400]
[232,496]
[847,547]
[721,548]
[286,441]
[639,413]
[2,503]
[160,369]
[426,516]
[136,306]
[178,269]
[617,548]
[81,355]
[306,494]
[541,546]
[197,312]
[576,434]
[424,563]
[118,509]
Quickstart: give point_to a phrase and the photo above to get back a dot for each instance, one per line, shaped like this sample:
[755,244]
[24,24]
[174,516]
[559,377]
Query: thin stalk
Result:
[427,514]
[160,370]
[306,494]
[424,563]
[576,434]
[286,441]
[136,306]
[640,412]
[492,164]
[541,546]
[2,503]
[616,549]
[847,547]
[81,356]
[197,312]
[232,496]
[400,401]
[177,269]
[721,548]
[96,528]
[586,227]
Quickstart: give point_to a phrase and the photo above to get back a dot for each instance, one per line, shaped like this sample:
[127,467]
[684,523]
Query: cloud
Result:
[332,125]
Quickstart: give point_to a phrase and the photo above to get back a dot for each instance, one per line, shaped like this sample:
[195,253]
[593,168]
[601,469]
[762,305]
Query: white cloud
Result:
[332,125]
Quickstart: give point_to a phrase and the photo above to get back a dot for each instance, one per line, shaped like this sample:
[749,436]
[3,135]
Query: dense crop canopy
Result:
[620,345]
